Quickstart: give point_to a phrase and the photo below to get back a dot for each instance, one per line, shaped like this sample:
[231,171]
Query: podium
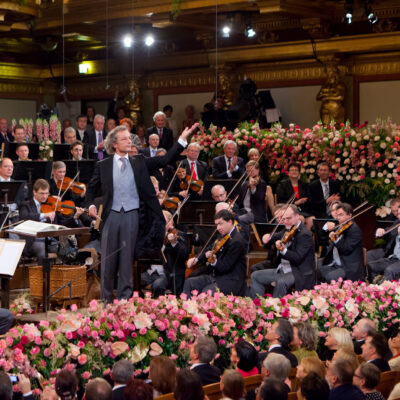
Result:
[46,260]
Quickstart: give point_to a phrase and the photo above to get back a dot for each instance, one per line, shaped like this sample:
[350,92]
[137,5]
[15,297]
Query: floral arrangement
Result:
[22,305]
[364,158]
[91,341]
[48,133]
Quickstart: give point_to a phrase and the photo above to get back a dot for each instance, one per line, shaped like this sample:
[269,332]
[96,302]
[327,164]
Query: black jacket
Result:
[89,138]
[208,373]
[316,200]
[167,140]
[279,350]
[285,191]
[219,168]
[257,200]
[382,364]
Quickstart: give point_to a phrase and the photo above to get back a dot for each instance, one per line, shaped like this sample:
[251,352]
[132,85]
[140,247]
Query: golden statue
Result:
[332,96]
[132,102]
[224,89]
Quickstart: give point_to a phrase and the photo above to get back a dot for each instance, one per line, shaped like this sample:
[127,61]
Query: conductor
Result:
[131,209]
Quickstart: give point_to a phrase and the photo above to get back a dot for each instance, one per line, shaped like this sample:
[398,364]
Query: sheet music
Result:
[33,227]
[10,254]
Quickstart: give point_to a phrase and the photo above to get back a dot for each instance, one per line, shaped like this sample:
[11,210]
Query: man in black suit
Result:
[81,126]
[295,263]
[166,135]
[121,374]
[5,135]
[152,148]
[374,351]
[323,191]
[344,257]
[252,193]
[228,166]
[94,138]
[227,269]
[363,328]
[202,353]
[279,337]
[133,221]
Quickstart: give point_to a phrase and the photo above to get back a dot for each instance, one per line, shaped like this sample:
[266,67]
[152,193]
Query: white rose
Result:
[387,181]
[380,175]
[389,176]
[373,174]
[390,165]
[348,177]
[383,145]
[376,138]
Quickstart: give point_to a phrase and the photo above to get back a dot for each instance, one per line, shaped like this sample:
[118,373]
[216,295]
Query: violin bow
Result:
[170,183]
[65,191]
[182,203]
[354,216]
[288,204]
[58,195]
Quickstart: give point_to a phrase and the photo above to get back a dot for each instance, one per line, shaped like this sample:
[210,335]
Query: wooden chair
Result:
[252,382]
[168,396]
[213,391]
[295,383]
[387,382]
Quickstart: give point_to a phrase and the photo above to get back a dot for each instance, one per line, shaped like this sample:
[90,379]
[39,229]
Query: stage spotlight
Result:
[226,31]
[127,40]
[348,16]
[250,32]
[149,40]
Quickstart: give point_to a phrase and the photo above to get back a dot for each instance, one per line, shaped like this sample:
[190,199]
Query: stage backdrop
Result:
[17,109]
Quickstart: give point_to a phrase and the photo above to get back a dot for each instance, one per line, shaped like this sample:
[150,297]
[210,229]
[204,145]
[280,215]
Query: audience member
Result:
[66,384]
[190,119]
[310,364]
[70,135]
[98,389]
[165,134]
[345,353]
[367,377]
[90,113]
[163,375]
[244,357]
[19,134]
[228,166]
[272,389]
[232,385]
[81,125]
[141,133]
[171,122]
[361,330]
[188,386]
[94,138]
[277,367]
[313,387]
[279,336]
[374,351]
[393,334]
[337,338]
[5,135]
[340,379]
[6,388]
[121,374]
[110,124]
[304,340]
[202,353]
[137,389]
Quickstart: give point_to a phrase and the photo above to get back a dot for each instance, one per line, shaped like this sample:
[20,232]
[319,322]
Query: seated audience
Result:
[19,134]
[121,374]
[202,353]
[110,124]
[81,125]
[374,351]
[98,389]
[313,387]
[188,386]
[393,334]
[277,367]
[308,365]
[361,330]
[141,133]
[244,357]
[154,142]
[22,151]
[137,389]
[338,338]
[367,377]
[70,135]
[162,374]
[345,353]
[232,385]
[304,340]
[66,385]
[272,389]
[279,336]
[228,166]
[159,128]
[6,387]
[340,379]
[190,119]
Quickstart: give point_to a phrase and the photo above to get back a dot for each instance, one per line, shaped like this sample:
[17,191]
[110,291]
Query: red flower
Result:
[285,313]
[24,340]
[283,301]
[257,302]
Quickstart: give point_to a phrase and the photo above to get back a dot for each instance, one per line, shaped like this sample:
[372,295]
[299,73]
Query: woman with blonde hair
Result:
[163,375]
[338,338]
[232,385]
[310,364]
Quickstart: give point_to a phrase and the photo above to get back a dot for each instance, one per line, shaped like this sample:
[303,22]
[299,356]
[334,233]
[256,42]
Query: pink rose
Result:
[82,359]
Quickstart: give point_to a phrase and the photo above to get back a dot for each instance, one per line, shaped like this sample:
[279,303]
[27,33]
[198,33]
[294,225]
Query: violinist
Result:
[295,261]
[178,183]
[170,275]
[197,170]
[164,174]
[227,267]
[344,257]
[252,193]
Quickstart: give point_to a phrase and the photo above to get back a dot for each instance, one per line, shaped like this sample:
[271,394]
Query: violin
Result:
[287,237]
[218,245]
[66,208]
[193,185]
[170,202]
[75,187]
[335,235]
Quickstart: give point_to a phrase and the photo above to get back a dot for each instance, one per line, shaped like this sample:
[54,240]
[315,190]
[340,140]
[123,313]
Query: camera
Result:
[13,378]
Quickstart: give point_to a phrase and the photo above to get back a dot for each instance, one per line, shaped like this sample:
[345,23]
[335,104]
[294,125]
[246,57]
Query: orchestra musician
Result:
[132,216]
[165,174]
[226,270]
[344,257]
[171,275]
[295,262]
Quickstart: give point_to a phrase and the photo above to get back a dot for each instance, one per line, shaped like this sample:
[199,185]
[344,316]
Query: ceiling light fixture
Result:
[226,31]
[149,40]
[250,32]
[348,17]
[127,40]
[371,16]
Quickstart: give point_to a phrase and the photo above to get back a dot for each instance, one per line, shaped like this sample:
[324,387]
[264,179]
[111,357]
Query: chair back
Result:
[387,382]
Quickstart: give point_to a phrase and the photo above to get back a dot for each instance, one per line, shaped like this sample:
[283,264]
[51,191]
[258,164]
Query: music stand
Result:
[197,212]
[10,192]
[262,229]
[203,231]
[226,183]
[30,171]
[381,223]
[61,151]
[11,147]
[86,168]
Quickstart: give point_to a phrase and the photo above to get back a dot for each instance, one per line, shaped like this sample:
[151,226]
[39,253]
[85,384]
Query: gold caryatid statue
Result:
[132,102]
[332,96]
[224,89]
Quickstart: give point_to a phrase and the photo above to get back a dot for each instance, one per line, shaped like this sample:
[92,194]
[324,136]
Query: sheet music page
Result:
[10,254]
[34,227]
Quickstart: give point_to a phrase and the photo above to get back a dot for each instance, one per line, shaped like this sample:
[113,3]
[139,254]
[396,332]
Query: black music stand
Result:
[11,147]
[85,167]
[10,192]
[197,212]
[202,232]
[30,171]
[226,183]
[61,151]
[382,223]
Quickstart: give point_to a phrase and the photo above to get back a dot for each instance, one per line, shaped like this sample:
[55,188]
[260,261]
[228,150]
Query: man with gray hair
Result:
[121,374]
[202,353]
[166,135]
[134,225]
[94,138]
[361,330]
[276,366]
[228,166]
[98,389]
